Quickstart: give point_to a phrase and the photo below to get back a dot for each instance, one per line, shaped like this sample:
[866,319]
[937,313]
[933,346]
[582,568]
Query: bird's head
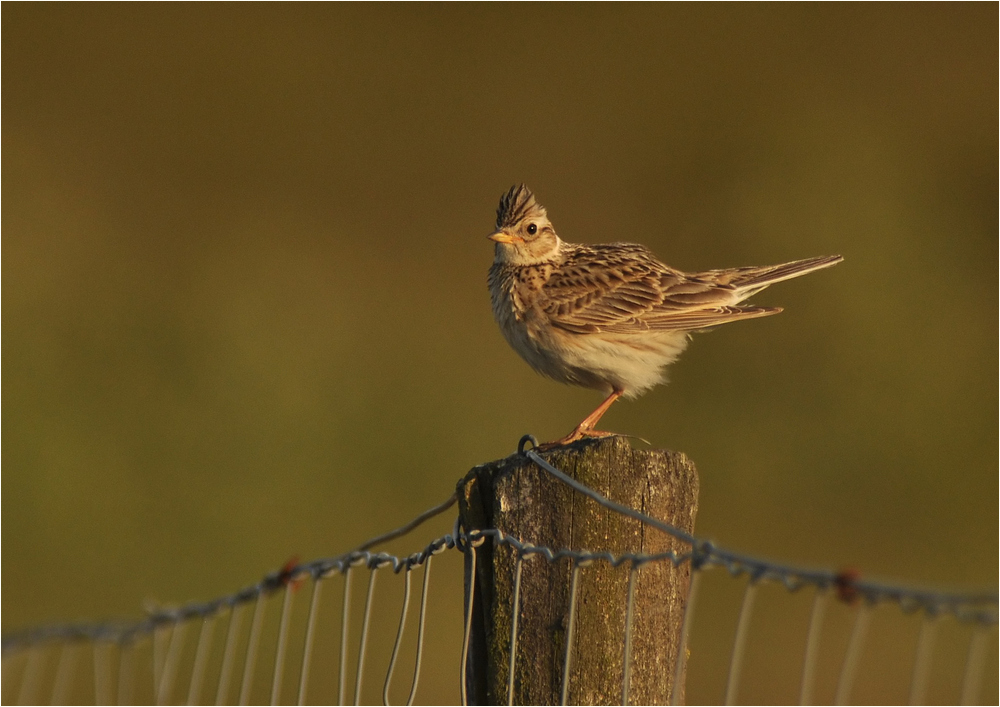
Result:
[524,234]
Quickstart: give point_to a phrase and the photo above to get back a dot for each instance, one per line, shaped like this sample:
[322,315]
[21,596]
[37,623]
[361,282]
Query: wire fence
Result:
[175,655]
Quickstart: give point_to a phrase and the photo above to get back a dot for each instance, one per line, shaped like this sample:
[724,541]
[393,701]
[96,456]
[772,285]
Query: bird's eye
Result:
[532,229]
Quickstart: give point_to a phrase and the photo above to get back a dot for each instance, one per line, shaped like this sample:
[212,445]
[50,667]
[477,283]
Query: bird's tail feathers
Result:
[756,279]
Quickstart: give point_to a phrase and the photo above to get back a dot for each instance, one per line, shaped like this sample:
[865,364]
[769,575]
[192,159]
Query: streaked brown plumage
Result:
[609,317]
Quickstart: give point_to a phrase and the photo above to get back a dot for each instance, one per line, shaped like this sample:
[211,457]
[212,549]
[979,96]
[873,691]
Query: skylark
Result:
[609,317]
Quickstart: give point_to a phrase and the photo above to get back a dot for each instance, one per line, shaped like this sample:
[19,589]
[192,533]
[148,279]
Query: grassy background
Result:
[244,304]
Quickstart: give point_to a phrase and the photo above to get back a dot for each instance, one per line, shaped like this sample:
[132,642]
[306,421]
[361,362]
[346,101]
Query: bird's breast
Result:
[515,291]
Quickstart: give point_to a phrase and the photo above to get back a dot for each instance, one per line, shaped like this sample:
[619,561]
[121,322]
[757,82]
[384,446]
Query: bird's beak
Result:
[504,237]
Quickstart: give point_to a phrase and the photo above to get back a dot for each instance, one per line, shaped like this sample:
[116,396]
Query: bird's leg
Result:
[586,428]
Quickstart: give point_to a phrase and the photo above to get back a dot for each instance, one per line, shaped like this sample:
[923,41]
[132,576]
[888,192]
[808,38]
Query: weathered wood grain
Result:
[517,497]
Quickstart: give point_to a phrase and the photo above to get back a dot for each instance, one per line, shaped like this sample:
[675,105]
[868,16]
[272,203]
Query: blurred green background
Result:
[244,292]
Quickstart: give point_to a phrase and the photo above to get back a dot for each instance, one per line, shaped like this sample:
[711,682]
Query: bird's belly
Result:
[632,363]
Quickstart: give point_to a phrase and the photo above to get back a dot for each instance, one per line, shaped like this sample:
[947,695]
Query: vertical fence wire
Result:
[570,631]
[362,648]
[922,660]
[63,679]
[250,660]
[629,610]
[420,631]
[170,663]
[307,648]
[126,667]
[27,660]
[515,615]
[820,600]
[470,592]
[399,636]
[345,616]
[852,657]
[102,673]
[7,672]
[680,667]
[279,654]
[126,671]
[34,663]
[201,653]
[975,661]
[159,657]
[739,641]
[228,655]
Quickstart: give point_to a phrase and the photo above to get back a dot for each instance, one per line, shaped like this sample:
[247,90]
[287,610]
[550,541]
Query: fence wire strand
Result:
[974,665]
[820,600]
[170,663]
[421,625]
[250,659]
[922,661]
[399,637]
[633,570]
[279,654]
[852,658]
[164,629]
[515,615]
[64,674]
[365,623]
[345,616]
[570,632]
[740,641]
[229,654]
[125,676]
[307,648]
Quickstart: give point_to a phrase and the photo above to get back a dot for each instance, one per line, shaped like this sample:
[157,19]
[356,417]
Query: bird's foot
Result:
[575,436]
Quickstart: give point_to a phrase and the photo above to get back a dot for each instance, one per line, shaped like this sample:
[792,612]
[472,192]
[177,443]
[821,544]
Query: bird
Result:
[609,317]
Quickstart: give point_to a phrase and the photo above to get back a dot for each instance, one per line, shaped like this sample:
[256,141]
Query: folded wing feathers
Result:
[641,294]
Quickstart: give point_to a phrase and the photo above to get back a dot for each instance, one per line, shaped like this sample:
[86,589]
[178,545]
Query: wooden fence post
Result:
[524,501]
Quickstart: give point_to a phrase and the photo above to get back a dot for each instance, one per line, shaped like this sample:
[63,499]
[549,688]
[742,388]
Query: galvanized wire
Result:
[922,662]
[680,666]
[345,617]
[365,623]
[515,615]
[740,642]
[64,673]
[570,632]
[253,643]
[470,594]
[974,664]
[200,660]
[307,649]
[102,673]
[852,658]
[126,678]
[170,663]
[421,625]
[279,654]
[228,655]
[820,600]
[629,610]
[31,675]
[399,637]
[166,626]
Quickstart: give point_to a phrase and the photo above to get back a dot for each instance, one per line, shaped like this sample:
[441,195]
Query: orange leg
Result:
[586,428]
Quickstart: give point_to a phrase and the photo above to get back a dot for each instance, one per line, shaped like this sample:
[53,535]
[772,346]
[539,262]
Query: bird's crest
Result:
[517,204]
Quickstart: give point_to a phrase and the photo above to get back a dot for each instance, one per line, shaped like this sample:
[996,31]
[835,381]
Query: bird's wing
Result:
[623,288]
